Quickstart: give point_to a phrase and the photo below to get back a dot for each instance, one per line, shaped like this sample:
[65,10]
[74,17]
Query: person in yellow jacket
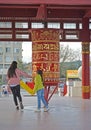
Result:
[39,89]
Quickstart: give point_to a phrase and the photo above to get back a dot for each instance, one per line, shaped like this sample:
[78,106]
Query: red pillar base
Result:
[86,95]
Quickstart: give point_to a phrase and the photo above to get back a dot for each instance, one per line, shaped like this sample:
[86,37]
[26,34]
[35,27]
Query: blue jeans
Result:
[40,97]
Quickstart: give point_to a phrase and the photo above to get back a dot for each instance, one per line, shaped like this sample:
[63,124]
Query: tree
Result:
[67,54]
[69,59]
[21,65]
[26,67]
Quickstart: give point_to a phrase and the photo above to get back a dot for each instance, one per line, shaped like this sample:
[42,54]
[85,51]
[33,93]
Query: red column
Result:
[85,71]
[85,58]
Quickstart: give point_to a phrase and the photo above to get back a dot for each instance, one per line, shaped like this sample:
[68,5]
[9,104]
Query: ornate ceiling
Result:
[53,10]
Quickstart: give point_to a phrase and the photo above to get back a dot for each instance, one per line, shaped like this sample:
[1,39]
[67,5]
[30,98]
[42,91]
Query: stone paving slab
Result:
[66,113]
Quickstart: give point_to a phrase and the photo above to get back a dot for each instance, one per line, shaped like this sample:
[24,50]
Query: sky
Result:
[73,45]
[27,49]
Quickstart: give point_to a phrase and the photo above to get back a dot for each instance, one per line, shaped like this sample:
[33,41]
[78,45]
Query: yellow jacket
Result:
[38,83]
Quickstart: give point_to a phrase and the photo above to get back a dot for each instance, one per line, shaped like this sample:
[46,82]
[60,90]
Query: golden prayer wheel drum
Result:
[45,53]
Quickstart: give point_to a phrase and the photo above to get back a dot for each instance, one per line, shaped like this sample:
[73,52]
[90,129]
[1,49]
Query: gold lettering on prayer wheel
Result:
[45,53]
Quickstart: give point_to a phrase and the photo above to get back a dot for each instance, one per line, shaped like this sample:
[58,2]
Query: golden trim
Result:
[45,34]
[35,62]
[45,41]
[85,89]
[49,51]
[83,52]
[85,48]
[85,42]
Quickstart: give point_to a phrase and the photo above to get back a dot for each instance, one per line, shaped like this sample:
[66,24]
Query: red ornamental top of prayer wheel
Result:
[45,53]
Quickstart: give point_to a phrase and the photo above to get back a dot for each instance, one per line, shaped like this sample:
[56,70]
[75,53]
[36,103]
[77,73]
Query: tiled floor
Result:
[66,113]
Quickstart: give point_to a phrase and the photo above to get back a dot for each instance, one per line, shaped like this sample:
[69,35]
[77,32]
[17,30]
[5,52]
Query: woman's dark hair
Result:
[12,68]
[40,73]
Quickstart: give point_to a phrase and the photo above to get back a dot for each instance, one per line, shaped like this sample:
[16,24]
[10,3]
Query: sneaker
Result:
[17,107]
[21,105]
[37,110]
[46,109]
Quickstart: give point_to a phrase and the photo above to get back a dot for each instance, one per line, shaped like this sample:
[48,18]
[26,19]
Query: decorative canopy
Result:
[46,9]
[56,2]
[76,12]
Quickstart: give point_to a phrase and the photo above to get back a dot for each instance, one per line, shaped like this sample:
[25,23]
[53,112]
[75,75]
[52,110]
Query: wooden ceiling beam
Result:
[42,12]
[19,6]
[88,14]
